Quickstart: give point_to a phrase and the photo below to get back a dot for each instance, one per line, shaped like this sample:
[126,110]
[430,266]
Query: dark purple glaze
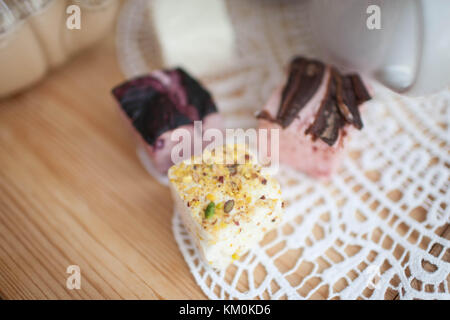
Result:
[155,106]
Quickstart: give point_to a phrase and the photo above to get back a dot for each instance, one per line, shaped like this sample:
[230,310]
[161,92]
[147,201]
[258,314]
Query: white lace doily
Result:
[378,230]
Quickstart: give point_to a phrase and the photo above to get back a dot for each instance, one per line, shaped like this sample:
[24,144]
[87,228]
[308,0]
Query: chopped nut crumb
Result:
[236,190]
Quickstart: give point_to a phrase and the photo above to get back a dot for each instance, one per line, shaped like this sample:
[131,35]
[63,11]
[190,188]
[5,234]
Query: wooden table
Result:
[72,192]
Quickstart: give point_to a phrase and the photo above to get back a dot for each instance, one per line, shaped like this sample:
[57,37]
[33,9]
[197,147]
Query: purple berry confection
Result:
[158,103]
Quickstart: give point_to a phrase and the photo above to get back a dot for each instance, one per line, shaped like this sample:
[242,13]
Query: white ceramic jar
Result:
[34,37]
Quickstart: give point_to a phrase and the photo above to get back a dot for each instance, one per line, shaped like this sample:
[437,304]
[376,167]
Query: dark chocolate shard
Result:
[304,79]
[361,93]
[328,119]
[339,106]
[155,107]
[346,99]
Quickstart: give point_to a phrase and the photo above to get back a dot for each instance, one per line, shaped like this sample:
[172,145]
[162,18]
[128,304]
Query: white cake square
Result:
[227,208]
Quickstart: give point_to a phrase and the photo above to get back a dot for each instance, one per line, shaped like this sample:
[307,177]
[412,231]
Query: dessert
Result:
[316,111]
[196,34]
[227,206]
[160,102]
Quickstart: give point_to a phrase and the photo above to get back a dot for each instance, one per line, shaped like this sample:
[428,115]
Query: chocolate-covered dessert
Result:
[316,110]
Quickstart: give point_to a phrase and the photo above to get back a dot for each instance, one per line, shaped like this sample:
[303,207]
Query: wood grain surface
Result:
[72,192]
